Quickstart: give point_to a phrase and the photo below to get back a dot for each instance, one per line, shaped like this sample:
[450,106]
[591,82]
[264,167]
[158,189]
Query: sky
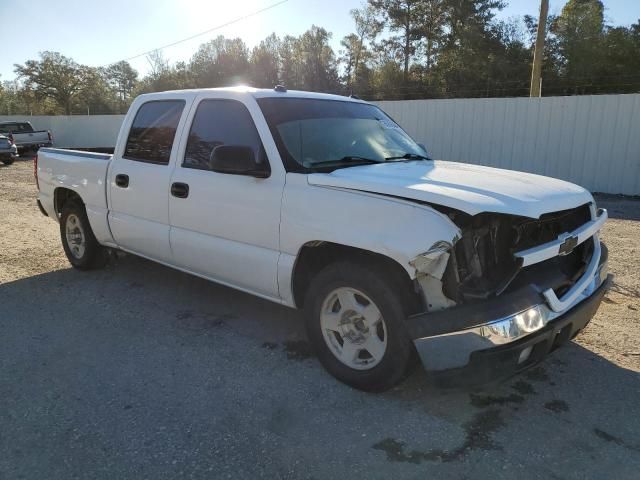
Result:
[100,32]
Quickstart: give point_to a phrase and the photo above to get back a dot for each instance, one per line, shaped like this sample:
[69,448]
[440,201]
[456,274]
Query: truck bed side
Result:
[31,138]
[84,173]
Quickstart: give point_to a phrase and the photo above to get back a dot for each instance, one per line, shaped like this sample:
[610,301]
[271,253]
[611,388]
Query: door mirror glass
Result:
[237,160]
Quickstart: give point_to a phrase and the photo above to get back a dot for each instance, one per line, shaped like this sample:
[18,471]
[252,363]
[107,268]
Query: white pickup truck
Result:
[324,203]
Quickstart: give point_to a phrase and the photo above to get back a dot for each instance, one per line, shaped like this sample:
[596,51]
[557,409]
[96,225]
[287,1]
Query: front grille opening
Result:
[483,265]
[533,232]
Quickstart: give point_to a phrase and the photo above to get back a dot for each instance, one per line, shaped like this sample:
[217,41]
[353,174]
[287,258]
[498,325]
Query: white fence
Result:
[593,141]
[590,140]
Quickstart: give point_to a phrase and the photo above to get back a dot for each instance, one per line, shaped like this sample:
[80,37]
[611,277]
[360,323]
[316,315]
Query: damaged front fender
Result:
[430,267]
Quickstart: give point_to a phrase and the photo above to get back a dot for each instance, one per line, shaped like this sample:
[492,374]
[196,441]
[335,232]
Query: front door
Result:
[224,226]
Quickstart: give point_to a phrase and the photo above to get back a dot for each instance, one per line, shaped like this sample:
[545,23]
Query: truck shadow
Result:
[574,401]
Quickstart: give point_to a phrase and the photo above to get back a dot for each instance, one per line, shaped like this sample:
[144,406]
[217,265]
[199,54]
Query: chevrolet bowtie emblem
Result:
[568,245]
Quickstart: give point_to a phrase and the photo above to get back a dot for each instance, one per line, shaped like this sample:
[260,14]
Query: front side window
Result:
[153,131]
[313,135]
[220,122]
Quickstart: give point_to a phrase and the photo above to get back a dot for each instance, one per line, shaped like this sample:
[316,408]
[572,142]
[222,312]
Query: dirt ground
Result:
[139,371]
[615,332]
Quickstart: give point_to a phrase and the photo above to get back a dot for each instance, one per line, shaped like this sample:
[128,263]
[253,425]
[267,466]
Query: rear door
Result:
[139,178]
[226,227]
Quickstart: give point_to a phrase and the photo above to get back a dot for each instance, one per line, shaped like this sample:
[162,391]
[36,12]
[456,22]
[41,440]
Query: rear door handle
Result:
[122,180]
[180,190]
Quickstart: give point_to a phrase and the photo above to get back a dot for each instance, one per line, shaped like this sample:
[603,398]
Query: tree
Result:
[350,45]
[432,15]
[402,17]
[367,27]
[265,62]
[318,62]
[54,76]
[621,59]
[290,62]
[308,62]
[122,77]
[471,48]
[580,32]
[96,96]
[165,77]
[220,62]
[158,63]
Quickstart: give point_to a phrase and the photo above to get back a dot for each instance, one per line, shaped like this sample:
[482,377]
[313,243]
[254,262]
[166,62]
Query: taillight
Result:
[35,171]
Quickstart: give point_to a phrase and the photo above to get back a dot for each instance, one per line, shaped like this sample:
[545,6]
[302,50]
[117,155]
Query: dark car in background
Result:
[8,151]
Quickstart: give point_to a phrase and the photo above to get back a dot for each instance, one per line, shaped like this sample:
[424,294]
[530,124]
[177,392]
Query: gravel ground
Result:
[139,371]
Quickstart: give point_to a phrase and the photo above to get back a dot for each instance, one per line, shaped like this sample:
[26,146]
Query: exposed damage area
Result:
[483,264]
[508,291]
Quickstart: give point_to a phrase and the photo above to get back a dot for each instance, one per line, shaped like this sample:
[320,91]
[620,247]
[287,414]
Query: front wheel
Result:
[355,322]
[8,161]
[79,243]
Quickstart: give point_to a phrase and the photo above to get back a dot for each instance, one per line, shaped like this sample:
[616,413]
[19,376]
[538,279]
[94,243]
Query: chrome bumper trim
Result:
[454,349]
[561,304]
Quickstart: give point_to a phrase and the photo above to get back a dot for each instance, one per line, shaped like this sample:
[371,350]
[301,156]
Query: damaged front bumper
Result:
[491,340]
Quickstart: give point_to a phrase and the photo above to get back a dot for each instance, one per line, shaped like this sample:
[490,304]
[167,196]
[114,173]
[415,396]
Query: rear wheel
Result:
[79,243]
[355,322]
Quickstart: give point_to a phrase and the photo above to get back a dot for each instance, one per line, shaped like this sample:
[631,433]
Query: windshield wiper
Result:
[348,159]
[409,156]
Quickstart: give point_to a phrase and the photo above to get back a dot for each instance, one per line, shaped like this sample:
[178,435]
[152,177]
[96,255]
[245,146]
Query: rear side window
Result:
[16,128]
[220,122]
[153,131]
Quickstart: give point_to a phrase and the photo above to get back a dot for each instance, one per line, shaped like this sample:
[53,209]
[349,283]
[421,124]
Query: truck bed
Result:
[82,172]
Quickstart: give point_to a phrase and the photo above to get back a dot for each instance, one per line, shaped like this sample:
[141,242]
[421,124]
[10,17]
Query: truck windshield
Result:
[23,127]
[320,135]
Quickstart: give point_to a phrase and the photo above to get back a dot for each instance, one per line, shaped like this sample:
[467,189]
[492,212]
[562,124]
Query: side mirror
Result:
[237,160]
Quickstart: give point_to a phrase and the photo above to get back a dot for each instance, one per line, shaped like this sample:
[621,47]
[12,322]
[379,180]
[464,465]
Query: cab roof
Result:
[259,93]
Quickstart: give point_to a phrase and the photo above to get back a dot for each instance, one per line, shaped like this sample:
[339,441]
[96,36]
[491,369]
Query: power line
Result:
[231,22]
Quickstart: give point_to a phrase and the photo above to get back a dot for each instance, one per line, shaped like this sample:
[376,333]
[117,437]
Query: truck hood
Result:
[470,188]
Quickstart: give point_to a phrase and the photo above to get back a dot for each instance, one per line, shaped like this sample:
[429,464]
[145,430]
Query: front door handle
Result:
[180,190]
[122,180]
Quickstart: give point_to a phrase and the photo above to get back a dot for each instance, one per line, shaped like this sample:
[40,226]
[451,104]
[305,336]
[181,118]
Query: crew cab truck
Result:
[324,203]
[25,137]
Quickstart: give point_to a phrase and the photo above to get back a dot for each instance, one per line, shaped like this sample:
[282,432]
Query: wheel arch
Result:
[61,196]
[313,256]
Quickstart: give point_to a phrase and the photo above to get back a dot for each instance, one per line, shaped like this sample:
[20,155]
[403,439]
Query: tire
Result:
[7,161]
[322,310]
[80,245]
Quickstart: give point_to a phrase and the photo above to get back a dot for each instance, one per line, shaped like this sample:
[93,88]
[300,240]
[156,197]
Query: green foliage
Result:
[580,31]
[403,18]
[399,49]
[220,62]
[54,77]
[122,78]
[265,62]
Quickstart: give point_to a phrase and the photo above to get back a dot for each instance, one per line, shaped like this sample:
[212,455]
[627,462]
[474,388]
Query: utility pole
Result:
[538,54]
